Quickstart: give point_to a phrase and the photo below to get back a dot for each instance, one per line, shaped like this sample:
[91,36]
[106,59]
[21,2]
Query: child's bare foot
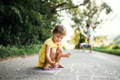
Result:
[46,67]
[60,66]
[57,65]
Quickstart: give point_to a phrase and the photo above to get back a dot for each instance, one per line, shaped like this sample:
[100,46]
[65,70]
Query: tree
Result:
[75,40]
[24,22]
[89,12]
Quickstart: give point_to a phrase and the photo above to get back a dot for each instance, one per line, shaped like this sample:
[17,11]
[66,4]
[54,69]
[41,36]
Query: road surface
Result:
[82,65]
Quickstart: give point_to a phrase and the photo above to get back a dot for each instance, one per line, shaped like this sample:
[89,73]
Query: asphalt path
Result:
[82,65]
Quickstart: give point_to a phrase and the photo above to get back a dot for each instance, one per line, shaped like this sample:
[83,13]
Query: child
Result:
[90,36]
[51,51]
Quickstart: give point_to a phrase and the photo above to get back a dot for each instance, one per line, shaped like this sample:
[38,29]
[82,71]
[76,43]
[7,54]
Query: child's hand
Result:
[52,64]
[67,55]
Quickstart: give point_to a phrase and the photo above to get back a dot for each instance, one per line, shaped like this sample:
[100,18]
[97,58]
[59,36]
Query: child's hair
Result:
[59,29]
[88,25]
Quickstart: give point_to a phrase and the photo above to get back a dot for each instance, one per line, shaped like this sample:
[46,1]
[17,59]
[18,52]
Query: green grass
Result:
[13,51]
[108,50]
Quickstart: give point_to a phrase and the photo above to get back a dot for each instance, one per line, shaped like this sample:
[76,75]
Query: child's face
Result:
[57,37]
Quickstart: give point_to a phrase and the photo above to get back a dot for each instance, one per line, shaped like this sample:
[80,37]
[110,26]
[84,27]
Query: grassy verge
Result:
[13,51]
[107,50]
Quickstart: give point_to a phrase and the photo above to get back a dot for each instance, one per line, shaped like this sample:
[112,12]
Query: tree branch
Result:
[70,7]
[60,5]
[57,6]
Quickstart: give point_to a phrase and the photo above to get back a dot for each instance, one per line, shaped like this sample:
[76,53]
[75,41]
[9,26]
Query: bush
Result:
[112,49]
[116,47]
[10,51]
[22,22]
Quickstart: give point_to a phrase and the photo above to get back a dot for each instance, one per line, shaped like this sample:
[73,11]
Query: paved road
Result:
[80,66]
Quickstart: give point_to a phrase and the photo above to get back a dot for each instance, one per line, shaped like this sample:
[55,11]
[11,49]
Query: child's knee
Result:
[58,50]
[52,51]
[81,47]
[60,54]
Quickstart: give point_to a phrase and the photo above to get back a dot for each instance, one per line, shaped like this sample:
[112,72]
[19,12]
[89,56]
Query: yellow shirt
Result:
[41,58]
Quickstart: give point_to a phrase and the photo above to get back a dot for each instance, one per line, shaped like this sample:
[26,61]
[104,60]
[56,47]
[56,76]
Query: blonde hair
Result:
[59,29]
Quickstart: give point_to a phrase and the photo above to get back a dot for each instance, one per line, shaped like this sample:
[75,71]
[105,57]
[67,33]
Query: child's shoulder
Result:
[48,40]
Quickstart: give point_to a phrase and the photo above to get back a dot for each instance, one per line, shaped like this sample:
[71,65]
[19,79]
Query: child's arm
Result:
[63,54]
[47,55]
[66,54]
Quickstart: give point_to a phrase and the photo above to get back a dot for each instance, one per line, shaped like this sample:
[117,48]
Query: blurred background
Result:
[26,24]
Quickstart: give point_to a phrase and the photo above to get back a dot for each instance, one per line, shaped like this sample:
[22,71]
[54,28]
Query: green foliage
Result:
[88,12]
[107,8]
[106,50]
[82,38]
[111,46]
[75,38]
[116,47]
[11,51]
[25,22]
